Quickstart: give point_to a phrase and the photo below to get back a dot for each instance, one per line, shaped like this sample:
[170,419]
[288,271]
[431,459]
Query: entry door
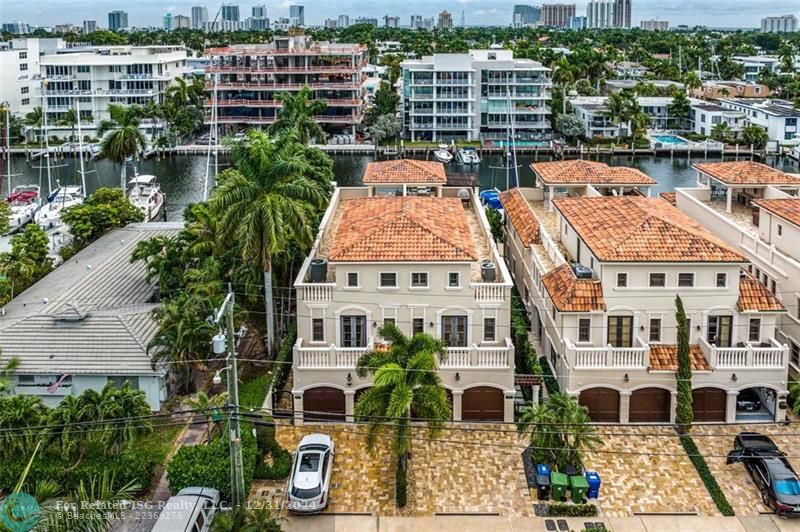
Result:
[620,331]
[354,331]
[719,330]
[454,331]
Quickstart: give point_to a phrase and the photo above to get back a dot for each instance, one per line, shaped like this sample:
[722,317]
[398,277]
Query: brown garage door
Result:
[603,404]
[650,405]
[709,404]
[323,404]
[482,403]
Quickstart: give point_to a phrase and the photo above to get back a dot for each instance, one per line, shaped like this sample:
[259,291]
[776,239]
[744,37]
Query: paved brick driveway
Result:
[734,479]
[637,483]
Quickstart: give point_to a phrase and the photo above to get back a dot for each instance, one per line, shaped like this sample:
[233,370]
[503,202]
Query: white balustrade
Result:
[348,357]
[318,291]
[489,292]
[313,357]
[608,357]
[457,357]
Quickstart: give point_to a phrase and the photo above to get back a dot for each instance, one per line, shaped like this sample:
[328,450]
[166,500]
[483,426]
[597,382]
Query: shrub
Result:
[400,486]
[268,447]
[571,510]
[550,381]
[794,396]
[705,474]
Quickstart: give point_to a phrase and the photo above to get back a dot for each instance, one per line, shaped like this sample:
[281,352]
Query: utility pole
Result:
[238,496]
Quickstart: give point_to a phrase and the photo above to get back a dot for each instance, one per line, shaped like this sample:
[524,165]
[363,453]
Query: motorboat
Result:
[468,155]
[146,195]
[442,154]
[24,202]
[49,216]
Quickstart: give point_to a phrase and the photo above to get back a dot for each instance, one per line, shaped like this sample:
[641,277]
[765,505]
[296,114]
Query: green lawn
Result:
[253,392]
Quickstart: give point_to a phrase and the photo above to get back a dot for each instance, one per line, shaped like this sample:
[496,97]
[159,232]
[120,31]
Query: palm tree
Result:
[679,108]
[70,119]
[184,93]
[123,409]
[691,81]
[721,132]
[268,203]
[35,119]
[563,75]
[122,137]
[20,412]
[256,517]
[207,406]
[618,110]
[297,112]
[6,374]
[152,112]
[407,385]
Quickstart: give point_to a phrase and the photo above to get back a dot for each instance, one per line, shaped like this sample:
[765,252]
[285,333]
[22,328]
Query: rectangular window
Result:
[419,279]
[754,330]
[354,331]
[389,321]
[655,329]
[719,330]
[23,55]
[780,229]
[622,280]
[317,330]
[23,66]
[453,279]
[454,331]
[26,101]
[722,280]
[24,90]
[417,326]
[388,280]
[489,333]
[352,279]
[658,280]
[620,331]
[795,354]
[585,330]
[83,69]
[689,327]
[686,280]
[773,286]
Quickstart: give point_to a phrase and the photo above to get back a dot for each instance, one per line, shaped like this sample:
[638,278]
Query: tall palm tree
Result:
[721,132]
[268,202]
[564,76]
[122,138]
[20,412]
[35,119]
[207,406]
[6,374]
[70,119]
[407,385]
[297,112]
[618,110]
[120,408]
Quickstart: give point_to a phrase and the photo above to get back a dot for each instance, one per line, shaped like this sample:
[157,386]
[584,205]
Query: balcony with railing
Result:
[479,357]
[770,355]
[608,357]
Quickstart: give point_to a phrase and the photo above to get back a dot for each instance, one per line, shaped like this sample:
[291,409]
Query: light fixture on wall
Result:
[641,327]
[374,324]
[458,376]
[349,379]
[734,378]
[698,327]
[430,325]
[626,378]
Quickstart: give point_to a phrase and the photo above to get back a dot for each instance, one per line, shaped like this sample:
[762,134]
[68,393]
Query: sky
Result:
[714,13]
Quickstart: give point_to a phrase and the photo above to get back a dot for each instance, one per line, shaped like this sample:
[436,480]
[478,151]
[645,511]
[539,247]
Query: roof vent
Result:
[488,271]
[75,313]
[581,271]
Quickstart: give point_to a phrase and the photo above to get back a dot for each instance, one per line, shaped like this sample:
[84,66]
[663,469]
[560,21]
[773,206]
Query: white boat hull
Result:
[443,156]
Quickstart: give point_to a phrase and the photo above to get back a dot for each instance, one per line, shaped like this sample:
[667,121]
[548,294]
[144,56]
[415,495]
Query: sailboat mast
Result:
[46,140]
[8,147]
[80,146]
[212,134]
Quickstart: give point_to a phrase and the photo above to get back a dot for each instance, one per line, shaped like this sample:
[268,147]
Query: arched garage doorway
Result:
[709,404]
[603,404]
[323,403]
[482,403]
[650,405]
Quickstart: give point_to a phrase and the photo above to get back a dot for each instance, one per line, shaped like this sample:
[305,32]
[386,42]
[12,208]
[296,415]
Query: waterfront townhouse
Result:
[706,115]
[715,89]
[779,118]
[599,276]
[244,80]
[754,207]
[89,79]
[593,112]
[408,250]
[754,64]
[483,94]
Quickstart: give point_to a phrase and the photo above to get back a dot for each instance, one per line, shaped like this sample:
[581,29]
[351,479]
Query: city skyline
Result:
[150,13]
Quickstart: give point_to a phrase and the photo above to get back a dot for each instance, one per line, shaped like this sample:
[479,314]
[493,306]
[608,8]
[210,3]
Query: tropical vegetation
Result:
[25,263]
[684,413]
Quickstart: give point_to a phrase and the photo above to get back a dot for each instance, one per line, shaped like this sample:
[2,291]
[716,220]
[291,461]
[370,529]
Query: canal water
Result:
[182,177]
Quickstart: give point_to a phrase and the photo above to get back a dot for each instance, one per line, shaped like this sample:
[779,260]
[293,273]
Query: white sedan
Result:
[311,474]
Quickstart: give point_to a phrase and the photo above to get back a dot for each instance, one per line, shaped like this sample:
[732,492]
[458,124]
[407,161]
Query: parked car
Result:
[770,471]
[748,401]
[192,509]
[311,474]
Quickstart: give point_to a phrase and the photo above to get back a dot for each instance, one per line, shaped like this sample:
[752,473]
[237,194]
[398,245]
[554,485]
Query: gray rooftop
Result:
[91,315]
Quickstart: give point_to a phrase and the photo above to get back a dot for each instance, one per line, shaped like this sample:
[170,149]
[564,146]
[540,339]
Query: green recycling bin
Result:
[579,486]
[559,484]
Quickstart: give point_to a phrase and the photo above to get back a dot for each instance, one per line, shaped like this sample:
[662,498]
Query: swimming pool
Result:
[669,139]
[523,143]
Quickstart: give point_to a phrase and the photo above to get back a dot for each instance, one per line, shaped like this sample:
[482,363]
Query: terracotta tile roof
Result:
[521,215]
[788,208]
[639,229]
[664,357]
[405,171]
[589,172]
[570,294]
[403,229]
[669,197]
[746,173]
[755,297]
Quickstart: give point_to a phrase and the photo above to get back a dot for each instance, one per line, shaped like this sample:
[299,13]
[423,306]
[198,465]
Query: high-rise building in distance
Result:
[89,26]
[416,22]
[600,13]
[654,25]
[577,23]
[168,22]
[230,12]
[343,22]
[525,15]
[297,16]
[199,17]
[259,11]
[557,15]
[390,21]
[783,24]
[622,14]
[181,22]
[117,20]
[366,20]
[330,23]
[445,21]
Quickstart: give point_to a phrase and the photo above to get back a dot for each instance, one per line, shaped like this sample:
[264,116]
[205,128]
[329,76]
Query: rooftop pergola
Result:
[740,176]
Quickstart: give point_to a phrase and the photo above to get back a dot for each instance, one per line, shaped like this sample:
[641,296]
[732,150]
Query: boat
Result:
[442,154]
[795,153]
[468,155]
[24,202]
[49,216]
[146,195]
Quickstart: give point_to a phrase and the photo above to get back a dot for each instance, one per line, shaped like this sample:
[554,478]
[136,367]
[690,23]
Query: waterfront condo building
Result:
[472,96]
[599,271]
[406,249]
[247,79]
[597,122]
[92,78]
[779,118]
[756,209]
[19,72]
[557,15]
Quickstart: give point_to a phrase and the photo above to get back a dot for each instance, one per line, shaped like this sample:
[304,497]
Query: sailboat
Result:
[491,198]
[146,195]
[24,200]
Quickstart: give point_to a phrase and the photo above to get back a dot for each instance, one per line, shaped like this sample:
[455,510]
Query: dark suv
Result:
[770,471]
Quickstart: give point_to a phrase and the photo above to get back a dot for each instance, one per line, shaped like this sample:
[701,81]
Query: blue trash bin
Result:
[594,485]
[542,470]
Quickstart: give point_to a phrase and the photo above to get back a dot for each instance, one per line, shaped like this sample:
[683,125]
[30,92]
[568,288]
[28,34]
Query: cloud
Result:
[463,2]
[484,12]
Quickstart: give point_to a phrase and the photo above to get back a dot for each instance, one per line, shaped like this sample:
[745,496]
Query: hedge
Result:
[705,474]
[268,446]
[283,360]
[571,510]
[210,465]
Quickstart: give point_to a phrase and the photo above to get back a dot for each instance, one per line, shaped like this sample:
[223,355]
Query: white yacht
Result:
[442,154]
[468,155]
[49,216]
[24,202]
[146,194]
